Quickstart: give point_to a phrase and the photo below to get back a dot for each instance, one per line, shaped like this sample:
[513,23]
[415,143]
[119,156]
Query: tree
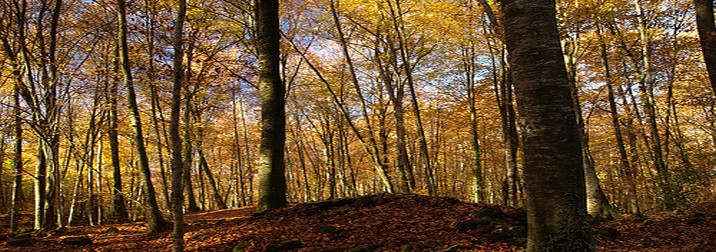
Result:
[155,221]
[272,180]
[554,175]
[707,33]
[119,213]
[177,202]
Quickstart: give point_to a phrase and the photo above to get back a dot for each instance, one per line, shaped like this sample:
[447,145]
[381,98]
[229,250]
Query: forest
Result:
[145,111]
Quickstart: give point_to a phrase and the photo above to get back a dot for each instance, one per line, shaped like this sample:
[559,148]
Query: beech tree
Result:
[155,221]
[707,33]
[272,180]
[554,177]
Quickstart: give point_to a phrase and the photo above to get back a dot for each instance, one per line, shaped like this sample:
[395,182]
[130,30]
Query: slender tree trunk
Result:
[396,93]
[597,203]
[272,180]
[188,135]
[40,188]
[707,33]
[469,67]
[422,140]
[646,88]
[100,148]
[510,138]
[155,221]
[237,151]
[177,201]
[632,199]
[119,211]
[157,114]
[212,183]
[249,164]
[380,166]
[554,174]
[17,196]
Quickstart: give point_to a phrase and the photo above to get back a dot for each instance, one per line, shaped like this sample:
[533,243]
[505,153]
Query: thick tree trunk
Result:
[554,175]
[707,33]
[40,188]
[272,180]
[155,221]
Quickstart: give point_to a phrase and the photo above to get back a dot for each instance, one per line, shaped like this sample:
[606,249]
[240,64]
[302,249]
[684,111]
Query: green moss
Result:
[241,246]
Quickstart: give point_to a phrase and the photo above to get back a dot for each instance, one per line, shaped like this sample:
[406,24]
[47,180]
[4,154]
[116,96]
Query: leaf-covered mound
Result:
[371,223]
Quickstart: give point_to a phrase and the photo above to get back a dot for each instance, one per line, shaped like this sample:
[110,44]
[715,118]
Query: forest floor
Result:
[372,223]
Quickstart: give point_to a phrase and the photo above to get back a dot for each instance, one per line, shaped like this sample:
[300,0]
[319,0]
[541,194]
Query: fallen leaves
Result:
[378,223]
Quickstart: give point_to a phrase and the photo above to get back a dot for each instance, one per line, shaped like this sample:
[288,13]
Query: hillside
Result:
[375,223]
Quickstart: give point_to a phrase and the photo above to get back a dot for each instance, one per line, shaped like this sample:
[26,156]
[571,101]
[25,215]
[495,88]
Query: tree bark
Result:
[188,150]
[17,196]
[177,201]
[707,34]
[119,211]
[272,180]
[554,175]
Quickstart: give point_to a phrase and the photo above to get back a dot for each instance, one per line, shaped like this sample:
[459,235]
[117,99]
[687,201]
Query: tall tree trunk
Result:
[554,174]
[119,211]
[100,148]
[707,33]
[646,92]
[470,69]
[17,196]
[156,108]
[239,183]
[177,201]
[155,221]
[632,199]
[396,93]
[396,14]
[505,103]
[378,163]
[272,180]
[249,164]
[40,188]
[597,203]
[188,135]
